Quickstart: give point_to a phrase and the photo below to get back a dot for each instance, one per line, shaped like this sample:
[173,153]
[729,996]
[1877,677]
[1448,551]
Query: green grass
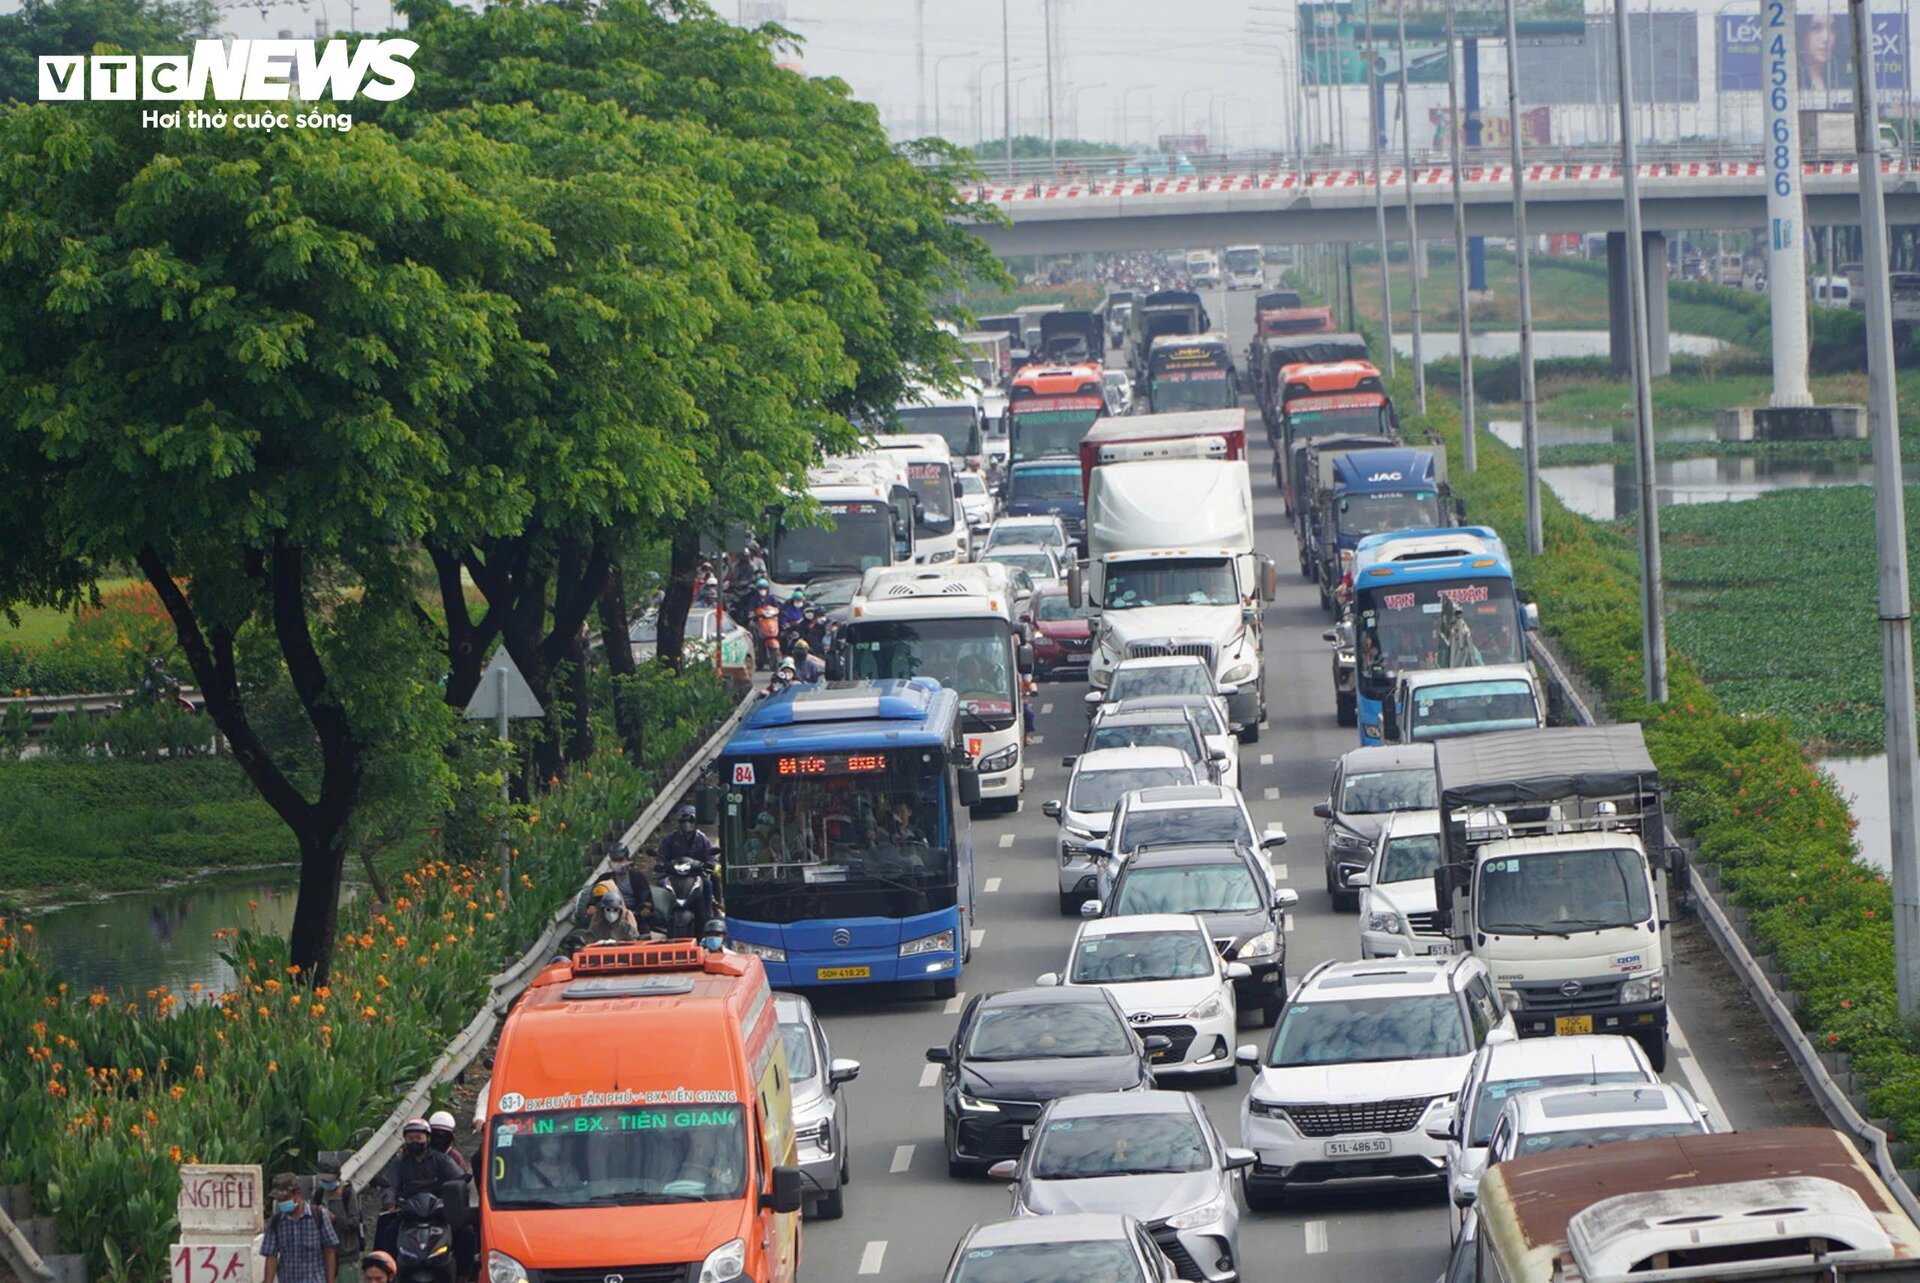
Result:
[71,826]
[41,625]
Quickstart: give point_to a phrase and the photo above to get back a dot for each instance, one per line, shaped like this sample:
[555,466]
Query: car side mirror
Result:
[784,1194]
[1023,659]
[1156,1042]
[1093,698]
[1048,980]
[939,1055]
[1323,810]
[1239,971]
[1443,1124]
[1089,908]
[1216,755]
[1238,1160]
[1098,850]
[969,786]
[1227,692]
[1460,511]
[1005,1170]
[1275,836]
[1247,1054]
[843,1071]
[1051,808]
[1530,616]
[1285,898]
[1358,878]
[1076,588]
[1331,636]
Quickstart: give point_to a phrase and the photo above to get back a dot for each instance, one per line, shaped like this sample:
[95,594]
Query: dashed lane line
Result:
[1029,772]
[902,1158]
[993,884]
[1045,709]
[1316,1238]
[1266,759]
[1006,840]
[977,935]
[955,1003]
[930,1076]
[1273,795]
[1279,873]
[875,1253]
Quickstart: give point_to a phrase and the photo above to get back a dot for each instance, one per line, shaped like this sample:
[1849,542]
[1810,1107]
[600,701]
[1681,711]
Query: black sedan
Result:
[1013,1052]
[1370,784]
[1226,885]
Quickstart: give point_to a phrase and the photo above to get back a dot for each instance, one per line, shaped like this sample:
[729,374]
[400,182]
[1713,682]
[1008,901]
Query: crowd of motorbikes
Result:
[775,625]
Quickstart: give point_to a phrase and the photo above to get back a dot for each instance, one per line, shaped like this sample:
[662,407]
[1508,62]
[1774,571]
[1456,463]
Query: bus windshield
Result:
[1374,514]
[625,1156]
[1362,419]
[1046,434]
[957,425]
[1243,262]
[1456,623]
[931,481]
[855,537]
[972,656]
[1030,484]
[1193,390]
[862,833]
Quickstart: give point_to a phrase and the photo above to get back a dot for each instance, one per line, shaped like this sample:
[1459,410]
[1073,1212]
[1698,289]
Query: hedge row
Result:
[1771,823]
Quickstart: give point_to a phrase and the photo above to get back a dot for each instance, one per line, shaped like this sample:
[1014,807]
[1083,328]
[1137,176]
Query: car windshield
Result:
[1492,1095]
[1048,1030]
[1410,859]
[1177,390]
[1036,532]
[1542,1142]
[1071,1149]
[1053,607]
[1346,1031]
[1097,791]
[1378,792]
[1473,706]
[1183,825]
[1372,514]
[1102,1262]
[970,484]
[1044,483]
[619,1157]
[801,1062]
[1152,734]
[1563,892]
[1171,582]
[1037,564]
[1187,888]
[1140,956]
[1160,679]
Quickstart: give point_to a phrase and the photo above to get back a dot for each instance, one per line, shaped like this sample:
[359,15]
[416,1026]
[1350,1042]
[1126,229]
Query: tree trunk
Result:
[678,597]
[580,743]
[615,646]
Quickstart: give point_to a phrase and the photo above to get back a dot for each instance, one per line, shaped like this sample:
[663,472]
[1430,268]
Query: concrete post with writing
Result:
[1786,253]
[221,1210]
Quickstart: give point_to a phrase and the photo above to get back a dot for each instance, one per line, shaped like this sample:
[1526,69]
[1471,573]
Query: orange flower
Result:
[96,999]
[369,1012]
[173,1152]
[273,1066]
[177,1091]
[293,969]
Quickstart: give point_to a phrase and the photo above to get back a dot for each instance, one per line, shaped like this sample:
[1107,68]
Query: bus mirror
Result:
[1460,511]
[1530,617]
[969,786]
[1024,658]
[705,805]
[453,1196]
[1076,588]
[1269,579]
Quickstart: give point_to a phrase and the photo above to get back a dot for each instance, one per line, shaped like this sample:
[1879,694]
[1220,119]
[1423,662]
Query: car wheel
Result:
[1346,708]
[1248,734]
[1263,1196]
[830,1206]
[846,1161]
[960,1167]
[1270,1013]
[1069,905]
[946,988]
[1655,1045]
[1346,901]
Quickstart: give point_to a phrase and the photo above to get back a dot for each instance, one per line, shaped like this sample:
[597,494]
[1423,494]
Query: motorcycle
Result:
[766,627]
[425,1239]
[688,893]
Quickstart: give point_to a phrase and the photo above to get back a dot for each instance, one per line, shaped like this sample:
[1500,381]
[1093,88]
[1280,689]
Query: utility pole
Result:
[1469,454]
[1006,86]
[1413,226]
[1529,419]
[1046,14]
[1376,113]
[920,65]
[1890,534]
[1653,606]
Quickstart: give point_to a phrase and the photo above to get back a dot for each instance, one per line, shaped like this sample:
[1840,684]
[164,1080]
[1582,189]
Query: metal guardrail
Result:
[18,1255]
[367,1161]
[44,708]
[1733,944]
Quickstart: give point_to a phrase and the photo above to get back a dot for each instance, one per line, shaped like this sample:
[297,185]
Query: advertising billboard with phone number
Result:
[1824,44]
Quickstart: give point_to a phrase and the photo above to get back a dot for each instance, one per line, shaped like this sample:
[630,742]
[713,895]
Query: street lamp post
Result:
[1380,204]
[1529,418]
[1075,100]
[1181,119]
[1469,447]
[1413,225]
[1126,110]
[939,121]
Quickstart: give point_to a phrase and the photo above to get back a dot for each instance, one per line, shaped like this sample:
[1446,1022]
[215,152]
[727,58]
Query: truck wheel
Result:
[1655,1045]
[1346,708]
[1326,598]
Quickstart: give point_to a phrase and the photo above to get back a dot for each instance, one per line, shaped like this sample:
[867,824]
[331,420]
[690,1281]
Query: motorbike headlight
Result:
[1238,673]
[998,761]
[1343,656]
[1211,1009]
[764,952]
[972,1106]
[1194,1217]
[725,1263]
[1264,945]
[1371,730]
[502,1268]
[939,942]
[1647,988]
[1386,922]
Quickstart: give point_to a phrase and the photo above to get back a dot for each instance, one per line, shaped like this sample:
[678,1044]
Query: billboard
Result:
[1665,63]
[1335,48]
[1825,50]
[1536,127]
[1534,20]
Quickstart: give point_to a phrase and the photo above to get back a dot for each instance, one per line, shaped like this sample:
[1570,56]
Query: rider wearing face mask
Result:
[341,1204]
[417,1167]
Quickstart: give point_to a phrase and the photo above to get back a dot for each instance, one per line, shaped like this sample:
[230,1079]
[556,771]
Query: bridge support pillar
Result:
[1619,314]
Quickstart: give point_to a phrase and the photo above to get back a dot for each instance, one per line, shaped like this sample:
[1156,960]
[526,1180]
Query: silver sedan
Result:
[820,1113]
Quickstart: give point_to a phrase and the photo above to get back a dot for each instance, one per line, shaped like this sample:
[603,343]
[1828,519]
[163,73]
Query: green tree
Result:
[235,362]
[47,27]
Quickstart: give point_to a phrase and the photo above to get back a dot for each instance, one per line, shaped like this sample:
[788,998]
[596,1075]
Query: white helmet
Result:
[440,1121]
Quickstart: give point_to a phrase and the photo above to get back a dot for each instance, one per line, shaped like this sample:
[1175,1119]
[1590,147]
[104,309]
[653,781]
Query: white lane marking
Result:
[1287,923]
[1006,840]
[870,1259]
[1266,759]
[993,884]
[1045,709]
[1273,795]
[953,1005]
[902,1158]
[1316,1237]
[1038,739]
[977,935]
[1279,873]
[930,1076]
[1696,1076]
[1029,772]
[1264,726]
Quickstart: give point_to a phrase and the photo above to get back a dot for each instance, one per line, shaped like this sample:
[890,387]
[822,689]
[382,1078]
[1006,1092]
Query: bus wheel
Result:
[947,988]
[1346,710]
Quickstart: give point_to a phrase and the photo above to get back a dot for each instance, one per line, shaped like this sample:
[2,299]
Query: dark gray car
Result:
[1154,1156]
[1370,784]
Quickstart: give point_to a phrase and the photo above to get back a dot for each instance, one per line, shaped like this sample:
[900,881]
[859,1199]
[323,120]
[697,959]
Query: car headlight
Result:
[502,1268]
[1194,1217]
[1347,840]
[764,952]
[947,555]
[1509,997]
[998,761]
[1647,988]
[725,1263]
[1238,673]
[1263,945]
[938,942]
[818,1133]
[1211,1009]
[1266,1109]
[1387,922]
[973,1106]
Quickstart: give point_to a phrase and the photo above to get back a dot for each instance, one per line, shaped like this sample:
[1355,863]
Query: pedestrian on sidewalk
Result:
[299,1243]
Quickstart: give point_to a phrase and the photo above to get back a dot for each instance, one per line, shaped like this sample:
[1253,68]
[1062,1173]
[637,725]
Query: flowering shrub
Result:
[105,649]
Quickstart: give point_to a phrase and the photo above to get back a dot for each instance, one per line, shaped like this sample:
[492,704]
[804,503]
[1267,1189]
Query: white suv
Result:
[1364,1063]
[1163,970]
[1099,780]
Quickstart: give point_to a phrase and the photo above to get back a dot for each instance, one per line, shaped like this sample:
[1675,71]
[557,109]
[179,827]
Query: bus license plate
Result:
[843,973]
[1358,1148]
[1573,1024]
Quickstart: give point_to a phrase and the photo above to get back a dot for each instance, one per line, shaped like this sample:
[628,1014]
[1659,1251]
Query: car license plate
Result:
[1573,1024]
[1358,1148]
[843,973]
[1445,946]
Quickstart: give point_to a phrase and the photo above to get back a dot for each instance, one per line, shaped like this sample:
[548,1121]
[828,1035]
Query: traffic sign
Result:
[503,692]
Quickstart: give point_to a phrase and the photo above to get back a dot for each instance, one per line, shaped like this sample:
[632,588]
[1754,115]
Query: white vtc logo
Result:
[244,71]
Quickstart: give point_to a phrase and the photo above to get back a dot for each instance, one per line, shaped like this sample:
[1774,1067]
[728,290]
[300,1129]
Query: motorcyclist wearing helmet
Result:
[713,936]
[688,842]
[441,1124]
[611,919]
[809,666]
[417,1168]
[466,1242]
[794,613]
[783,677]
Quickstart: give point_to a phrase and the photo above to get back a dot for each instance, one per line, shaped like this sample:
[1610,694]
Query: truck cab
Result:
[1557,875]
[1435,704]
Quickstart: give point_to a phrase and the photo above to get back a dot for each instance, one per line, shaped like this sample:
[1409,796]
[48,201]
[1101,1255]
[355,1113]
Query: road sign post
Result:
[502,694]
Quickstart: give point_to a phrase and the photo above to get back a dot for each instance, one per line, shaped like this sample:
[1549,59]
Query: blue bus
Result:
[1430,612]
[846,844]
